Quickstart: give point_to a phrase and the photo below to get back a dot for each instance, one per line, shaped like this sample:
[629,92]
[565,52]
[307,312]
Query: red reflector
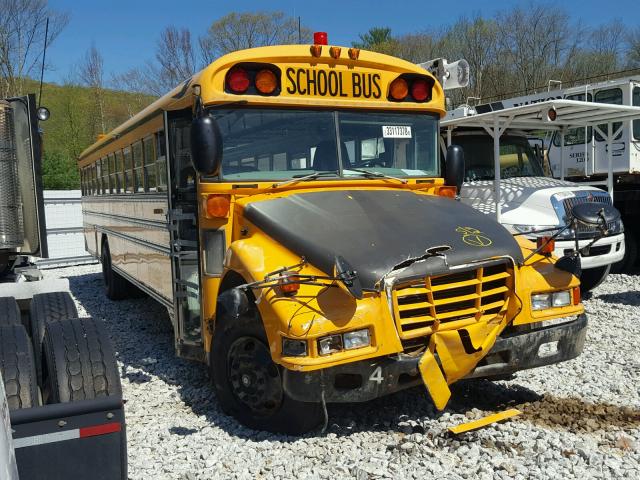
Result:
[420,90]
[238,80]
[549,245]
[447,191]
[576,295]
[320,38]
[100,429]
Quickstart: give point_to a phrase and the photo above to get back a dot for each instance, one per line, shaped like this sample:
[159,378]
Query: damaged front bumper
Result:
[516,349]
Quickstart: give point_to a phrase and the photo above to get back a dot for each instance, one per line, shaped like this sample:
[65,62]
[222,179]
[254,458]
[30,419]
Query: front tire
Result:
[592,277]
[248,383]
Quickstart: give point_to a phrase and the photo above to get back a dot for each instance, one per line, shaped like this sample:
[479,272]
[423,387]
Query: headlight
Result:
[543,301]
[294,348]
[347,341]
[531,230]
[357,339]
[330,344]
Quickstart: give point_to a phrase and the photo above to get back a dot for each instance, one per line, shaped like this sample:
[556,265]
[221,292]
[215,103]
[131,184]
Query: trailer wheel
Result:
[248,383]
[115,286]
[9,311]
[80,361]
[592,277]
[18,367]
[46,307]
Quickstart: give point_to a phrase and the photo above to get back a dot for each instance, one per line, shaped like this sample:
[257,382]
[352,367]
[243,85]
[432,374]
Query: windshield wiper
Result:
[368,174]
[306,178]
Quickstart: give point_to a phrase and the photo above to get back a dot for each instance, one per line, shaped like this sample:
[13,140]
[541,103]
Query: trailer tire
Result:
[287,416]
[9,312]
[80,360]
[115,286]
[18,367]
[46,307]
[592,277]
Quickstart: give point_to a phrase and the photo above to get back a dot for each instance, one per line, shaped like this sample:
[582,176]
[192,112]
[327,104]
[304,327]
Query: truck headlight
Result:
[530,230]
[347,341]
[543,301]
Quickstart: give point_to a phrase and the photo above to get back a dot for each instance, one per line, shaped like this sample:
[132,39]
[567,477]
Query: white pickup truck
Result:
[531,201]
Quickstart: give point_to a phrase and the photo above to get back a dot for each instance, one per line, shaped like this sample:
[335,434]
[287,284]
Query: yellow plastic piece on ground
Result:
[434,380]
[483,422]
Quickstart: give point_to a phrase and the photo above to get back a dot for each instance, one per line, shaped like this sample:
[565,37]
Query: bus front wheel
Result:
[248,383]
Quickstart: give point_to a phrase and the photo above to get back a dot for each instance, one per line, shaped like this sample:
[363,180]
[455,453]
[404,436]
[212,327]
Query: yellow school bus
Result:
[289,206]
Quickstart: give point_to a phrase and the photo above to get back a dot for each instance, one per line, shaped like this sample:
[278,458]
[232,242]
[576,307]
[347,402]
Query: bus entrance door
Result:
[183,226]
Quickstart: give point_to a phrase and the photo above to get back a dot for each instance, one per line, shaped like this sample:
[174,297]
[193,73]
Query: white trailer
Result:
[526,201]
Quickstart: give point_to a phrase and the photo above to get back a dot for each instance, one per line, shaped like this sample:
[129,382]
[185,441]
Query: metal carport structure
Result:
[552,115]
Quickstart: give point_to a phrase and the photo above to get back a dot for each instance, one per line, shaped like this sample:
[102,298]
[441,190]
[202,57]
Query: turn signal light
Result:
[547,243]
[447,191]
[289,283]
[576,295]
[420,90]
[238,80]
[218,205]
[266,81]
[399,89]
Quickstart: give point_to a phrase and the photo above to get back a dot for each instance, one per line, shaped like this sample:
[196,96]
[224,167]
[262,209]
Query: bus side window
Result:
[161,152]
[113,180]
[149,165]
[120,171]
[128,170]
[138,166]
[106,184]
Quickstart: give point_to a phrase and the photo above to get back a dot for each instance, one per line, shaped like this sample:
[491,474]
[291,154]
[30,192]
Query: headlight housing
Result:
[344,341]
[544,301]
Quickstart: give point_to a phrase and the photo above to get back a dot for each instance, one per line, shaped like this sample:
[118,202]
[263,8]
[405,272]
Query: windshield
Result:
[517,158]
[269,144]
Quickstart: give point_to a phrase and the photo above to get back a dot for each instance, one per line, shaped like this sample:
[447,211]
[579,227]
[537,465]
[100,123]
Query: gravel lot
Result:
[580,419]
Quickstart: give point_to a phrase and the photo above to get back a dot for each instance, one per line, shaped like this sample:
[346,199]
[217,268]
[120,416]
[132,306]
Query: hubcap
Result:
[255,380]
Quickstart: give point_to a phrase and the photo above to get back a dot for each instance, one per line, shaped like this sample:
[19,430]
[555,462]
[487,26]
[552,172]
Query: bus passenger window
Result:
[113,180]
[149,165]
[161,149]
[614,96]
[128,170]
[138,166]
[120,171]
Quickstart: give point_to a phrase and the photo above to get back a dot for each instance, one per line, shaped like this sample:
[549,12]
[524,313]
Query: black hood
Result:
[379,230]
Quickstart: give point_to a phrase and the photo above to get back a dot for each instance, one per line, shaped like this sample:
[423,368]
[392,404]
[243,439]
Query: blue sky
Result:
[125,32]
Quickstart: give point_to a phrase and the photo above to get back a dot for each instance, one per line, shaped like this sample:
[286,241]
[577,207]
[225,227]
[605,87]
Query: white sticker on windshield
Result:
[396,131]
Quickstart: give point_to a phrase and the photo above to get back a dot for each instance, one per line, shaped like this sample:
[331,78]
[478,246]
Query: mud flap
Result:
[459,351]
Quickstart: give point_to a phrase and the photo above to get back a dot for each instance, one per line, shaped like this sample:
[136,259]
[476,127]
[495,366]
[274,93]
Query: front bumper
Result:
[606,251]
[365,380]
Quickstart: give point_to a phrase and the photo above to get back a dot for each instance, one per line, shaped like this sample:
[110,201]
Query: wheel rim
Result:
[255,380]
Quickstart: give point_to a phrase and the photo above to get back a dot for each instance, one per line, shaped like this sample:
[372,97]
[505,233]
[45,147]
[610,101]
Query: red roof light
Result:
[320,38]
[238,80]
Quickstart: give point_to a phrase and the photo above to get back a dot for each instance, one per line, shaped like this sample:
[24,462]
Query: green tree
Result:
[59,172]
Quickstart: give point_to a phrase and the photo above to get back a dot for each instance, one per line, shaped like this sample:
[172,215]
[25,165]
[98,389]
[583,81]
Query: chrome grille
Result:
[11,221]
[451,301]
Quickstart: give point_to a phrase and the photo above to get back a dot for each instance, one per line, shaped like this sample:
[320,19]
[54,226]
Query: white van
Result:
[531,201]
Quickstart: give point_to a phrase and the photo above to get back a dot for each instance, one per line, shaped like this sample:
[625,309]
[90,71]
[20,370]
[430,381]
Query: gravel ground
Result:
[580,419]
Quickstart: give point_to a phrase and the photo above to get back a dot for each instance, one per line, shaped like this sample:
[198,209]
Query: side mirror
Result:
[595,214]
[454,167]
[206,146]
